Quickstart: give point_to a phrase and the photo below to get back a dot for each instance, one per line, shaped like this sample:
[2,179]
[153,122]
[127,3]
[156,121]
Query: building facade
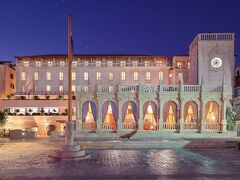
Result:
[7,79]
[124,92]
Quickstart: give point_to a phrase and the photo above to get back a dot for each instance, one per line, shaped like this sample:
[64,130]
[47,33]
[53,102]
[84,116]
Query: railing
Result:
[190,126]
[212,88]
[170,126]
[191,88]
[106,89]
[213,126]
[217,36]
[89,126]
[170,88]
[128,88]
[110,126]
[129,125]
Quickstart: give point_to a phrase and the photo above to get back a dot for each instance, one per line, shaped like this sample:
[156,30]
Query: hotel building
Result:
[124,92]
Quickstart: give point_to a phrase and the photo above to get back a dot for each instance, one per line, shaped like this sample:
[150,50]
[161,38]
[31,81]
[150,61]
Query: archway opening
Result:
[129,114]
[89,115]
[212,115]
[110,115]
[170,115]
[150,121]
[190,115]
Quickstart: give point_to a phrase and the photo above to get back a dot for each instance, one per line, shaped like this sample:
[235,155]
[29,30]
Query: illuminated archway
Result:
[190,112]
[109,115]
[150,121]
[129,115]
[89,112]
[170,112]
[212,112]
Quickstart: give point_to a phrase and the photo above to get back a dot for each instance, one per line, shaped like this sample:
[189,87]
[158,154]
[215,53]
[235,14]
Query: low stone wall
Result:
[20,134]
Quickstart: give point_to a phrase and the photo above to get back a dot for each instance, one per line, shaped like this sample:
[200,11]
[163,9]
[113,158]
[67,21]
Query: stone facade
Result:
[179,93]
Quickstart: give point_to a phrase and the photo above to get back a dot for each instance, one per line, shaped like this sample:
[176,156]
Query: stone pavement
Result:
[24,160]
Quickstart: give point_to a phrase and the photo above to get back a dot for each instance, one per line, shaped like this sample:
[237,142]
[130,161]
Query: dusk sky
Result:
[153,27]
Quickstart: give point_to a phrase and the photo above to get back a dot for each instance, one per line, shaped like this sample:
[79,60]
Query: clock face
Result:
[216,62]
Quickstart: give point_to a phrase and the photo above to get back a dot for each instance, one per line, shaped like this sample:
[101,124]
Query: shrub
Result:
[36,98]
[47,97]
[229,116]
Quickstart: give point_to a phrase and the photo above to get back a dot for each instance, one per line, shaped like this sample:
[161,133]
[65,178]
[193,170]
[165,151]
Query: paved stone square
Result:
[27,160]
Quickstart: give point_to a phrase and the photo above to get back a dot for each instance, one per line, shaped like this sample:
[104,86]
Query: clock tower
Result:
[212,60]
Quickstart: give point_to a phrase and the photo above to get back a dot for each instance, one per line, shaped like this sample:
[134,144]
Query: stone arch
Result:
[85,108]
[190,112]
[134,110]
[150,115]
[170,112]
[114,110]
[212,113]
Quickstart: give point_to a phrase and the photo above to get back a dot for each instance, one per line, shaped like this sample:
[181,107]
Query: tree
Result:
[3,118]
[229,116]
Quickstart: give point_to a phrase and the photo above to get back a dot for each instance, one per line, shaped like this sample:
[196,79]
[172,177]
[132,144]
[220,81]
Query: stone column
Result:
[119,123]
[224,120]
[203,120]
[99,120]
[78,117]
[181,114]
[140,111]
[161,115]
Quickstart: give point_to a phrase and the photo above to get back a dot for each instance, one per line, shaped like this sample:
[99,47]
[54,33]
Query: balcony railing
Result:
[213,126]
[129,125]
[131,88]
[170,126]
[109,126]
[191,88]
[170,88]
[89,126]
[190,126]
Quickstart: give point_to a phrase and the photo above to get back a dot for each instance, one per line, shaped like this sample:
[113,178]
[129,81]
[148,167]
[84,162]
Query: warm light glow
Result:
[129,118]
[109,119]
[171,116]
[89,117]
[210,115]
[190,115]
[149,119]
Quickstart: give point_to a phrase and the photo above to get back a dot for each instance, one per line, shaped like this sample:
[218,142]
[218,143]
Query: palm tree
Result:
[3,118]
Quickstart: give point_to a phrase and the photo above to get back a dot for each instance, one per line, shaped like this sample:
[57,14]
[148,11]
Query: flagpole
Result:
[69,123]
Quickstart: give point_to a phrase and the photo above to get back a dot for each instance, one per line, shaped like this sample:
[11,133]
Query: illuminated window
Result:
[110,88]
[147,63]
[36,88]
[123,76]
[74,88]
[85,76]
[122,63]
[170,75]
[110,76]
[48,87]
[48,76]
[148,76]
[23,76]
[135,63]
[35,76]
[188,65]
[25,63]
[60,76]
[73,76]
[135,76]
[98,76]
[159,63]
[60,88]
[74,64]
[85,88]
[160,75]
[38,63]
[85,63]
[179,65]
[98,63]
[62,63]
[110,63]
[50,63]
